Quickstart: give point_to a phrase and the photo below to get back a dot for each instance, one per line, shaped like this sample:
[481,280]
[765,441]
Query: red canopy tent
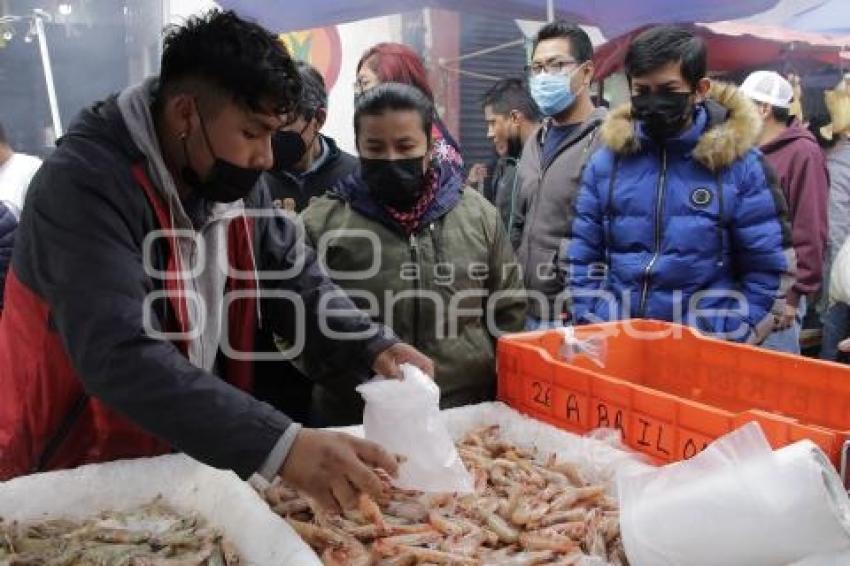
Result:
[735,46]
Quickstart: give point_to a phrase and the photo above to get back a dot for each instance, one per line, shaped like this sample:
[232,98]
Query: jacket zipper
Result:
[414,257]
[533,213]
[51,448]
[721,223]
[435,241]
[193,258]
[659,209]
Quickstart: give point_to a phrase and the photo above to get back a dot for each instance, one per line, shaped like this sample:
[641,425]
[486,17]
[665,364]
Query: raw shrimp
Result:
[348,555]
[505,532]
[414,539]
[594,540]
[150,535]
[505,558]
[446,525]
[526,510]
[557,543]
[425,554]
[568,516]
[317,536]
[571,496]
[466,545]
[410,510]
[371,512]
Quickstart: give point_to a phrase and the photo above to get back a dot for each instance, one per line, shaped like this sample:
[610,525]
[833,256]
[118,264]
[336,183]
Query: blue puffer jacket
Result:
[8,224]
[695,231]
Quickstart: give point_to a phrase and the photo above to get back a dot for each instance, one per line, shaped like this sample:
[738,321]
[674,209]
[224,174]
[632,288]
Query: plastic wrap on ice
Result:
[738,502]
[403,416]
[594,348]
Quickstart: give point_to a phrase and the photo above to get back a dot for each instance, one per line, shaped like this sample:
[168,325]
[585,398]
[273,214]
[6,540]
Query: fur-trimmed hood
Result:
[732,130]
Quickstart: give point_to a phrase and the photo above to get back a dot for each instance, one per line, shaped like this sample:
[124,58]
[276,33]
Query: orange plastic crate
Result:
[672,391]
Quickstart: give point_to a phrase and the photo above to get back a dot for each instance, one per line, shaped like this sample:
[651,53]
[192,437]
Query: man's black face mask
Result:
[665,114]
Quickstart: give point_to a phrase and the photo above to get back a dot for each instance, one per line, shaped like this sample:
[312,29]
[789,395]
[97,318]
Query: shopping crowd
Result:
[188,230]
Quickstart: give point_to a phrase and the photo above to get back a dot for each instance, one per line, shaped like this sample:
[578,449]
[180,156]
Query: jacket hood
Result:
[731,131]
[123,122]
[333,148]
[135,104]
[593,121]
[792,134]
[354,191]
[102,123]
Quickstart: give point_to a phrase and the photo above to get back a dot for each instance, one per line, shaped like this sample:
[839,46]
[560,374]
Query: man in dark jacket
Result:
[550,168]
[795,155]
[512,117]
[307,162]
[146,257]
[677,218]
[8,224]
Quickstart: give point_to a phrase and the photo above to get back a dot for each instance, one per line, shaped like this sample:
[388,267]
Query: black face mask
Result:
[397,183]
[663,115]
[226,182]
[289,148]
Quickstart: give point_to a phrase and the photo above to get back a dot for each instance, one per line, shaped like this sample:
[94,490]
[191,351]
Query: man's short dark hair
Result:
[314,94]
[3,139]
[239,58]
[817,121]
[581,47]
[394,96]
[660,45]
[511,94]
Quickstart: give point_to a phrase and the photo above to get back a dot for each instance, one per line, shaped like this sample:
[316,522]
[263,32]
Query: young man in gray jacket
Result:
[551,165]
[836,316]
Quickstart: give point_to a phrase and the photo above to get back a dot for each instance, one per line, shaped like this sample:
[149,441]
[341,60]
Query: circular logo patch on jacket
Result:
[701,197]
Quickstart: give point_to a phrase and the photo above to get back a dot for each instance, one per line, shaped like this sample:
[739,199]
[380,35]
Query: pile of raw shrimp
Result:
[526,510]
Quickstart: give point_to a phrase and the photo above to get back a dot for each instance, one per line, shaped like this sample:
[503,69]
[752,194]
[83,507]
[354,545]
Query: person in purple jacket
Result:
[792,151]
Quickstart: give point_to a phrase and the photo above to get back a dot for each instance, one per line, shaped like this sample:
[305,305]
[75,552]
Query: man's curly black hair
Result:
[239,58]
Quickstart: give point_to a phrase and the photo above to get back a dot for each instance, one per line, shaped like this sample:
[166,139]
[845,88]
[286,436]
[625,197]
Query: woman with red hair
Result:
[397,63]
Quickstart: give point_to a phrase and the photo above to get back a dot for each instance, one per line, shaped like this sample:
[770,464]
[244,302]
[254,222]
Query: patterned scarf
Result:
[409,220]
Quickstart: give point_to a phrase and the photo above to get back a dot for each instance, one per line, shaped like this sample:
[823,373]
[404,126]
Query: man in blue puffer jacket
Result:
[678,218]
[8,224]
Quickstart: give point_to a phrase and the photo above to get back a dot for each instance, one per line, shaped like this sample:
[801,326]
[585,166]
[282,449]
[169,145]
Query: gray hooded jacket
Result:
[543,214]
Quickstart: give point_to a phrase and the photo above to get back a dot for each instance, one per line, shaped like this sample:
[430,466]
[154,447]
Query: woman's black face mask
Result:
[397,183]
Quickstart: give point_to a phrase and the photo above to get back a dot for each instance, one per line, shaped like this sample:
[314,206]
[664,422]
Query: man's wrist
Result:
[277,457]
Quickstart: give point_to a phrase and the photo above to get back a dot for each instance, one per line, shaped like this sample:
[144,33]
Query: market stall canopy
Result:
[613,16]
[828,17]
[734,46]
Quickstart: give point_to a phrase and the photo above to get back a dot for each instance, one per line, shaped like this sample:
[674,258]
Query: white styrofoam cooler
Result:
[233,507]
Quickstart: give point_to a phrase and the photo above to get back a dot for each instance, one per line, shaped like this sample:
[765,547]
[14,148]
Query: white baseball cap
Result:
[768,87]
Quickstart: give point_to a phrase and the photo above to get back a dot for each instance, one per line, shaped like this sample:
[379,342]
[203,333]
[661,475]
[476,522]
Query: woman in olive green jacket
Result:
[419,252]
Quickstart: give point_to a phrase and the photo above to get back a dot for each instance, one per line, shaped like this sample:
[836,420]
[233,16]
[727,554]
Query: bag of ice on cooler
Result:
[403,416]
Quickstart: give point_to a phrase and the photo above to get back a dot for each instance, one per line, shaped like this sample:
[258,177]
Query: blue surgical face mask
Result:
[553,93]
